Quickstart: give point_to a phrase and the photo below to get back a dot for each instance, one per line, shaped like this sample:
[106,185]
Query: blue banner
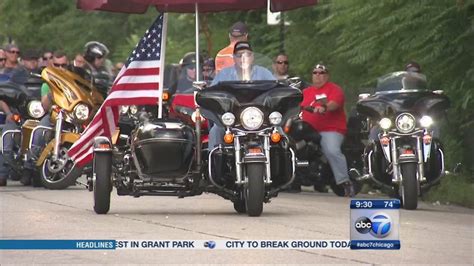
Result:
[375,244]
[57,244]
[375,204]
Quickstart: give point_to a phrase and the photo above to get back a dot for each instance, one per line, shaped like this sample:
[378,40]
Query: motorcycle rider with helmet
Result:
[95,53]
[188,73]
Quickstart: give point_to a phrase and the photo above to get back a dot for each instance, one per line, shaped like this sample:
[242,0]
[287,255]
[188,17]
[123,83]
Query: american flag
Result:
[138,82]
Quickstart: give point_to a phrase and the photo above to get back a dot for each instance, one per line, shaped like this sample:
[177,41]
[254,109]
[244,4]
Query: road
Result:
[431,234]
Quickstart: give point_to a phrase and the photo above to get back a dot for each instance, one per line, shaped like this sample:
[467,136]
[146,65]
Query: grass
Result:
[454,189]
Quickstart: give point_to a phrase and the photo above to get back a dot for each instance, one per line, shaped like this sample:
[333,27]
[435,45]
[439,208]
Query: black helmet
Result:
[95,49]
[190,59]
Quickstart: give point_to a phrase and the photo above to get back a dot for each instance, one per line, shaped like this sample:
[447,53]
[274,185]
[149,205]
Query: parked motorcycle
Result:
[75,101]
[25,102]
[164,157]
[405,154]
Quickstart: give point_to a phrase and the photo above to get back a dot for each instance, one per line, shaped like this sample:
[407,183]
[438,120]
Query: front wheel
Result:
[60,173]
[409,188]
[255,189]
[102,184]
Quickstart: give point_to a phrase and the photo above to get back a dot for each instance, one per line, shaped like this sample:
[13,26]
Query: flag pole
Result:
[162,64]
[198,76]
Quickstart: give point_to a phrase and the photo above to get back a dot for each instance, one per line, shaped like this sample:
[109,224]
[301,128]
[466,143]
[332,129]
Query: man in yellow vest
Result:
[224,58]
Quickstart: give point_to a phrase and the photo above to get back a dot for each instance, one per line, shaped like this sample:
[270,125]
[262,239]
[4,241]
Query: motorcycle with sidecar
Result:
[404,153]
[164,157]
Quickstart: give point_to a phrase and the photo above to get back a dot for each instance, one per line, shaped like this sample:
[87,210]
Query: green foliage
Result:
[359,40]
[457,189]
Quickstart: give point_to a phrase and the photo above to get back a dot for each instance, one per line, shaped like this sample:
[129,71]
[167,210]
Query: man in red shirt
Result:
[329,120]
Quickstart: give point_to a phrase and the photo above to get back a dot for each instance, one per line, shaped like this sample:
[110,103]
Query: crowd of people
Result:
[233,62]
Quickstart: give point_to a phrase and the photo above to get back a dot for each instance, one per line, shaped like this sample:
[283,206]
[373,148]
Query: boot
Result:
[349,190]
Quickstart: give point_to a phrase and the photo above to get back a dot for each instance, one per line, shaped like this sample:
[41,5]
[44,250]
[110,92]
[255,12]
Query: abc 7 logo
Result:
[379,225]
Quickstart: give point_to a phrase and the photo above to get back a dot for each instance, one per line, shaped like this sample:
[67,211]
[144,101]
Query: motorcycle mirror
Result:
[363,96]
[438,92]
[294,82]
[199,84]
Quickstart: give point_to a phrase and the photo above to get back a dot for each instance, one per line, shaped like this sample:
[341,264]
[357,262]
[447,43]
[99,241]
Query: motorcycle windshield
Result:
[401,81]
[402,92]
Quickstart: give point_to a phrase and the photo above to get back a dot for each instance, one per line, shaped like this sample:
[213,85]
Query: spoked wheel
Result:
[409,188]
[60,173]
[255,189]
[102,183]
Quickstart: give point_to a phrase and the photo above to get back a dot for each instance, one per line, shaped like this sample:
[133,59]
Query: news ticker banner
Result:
[13,244]
[375,224]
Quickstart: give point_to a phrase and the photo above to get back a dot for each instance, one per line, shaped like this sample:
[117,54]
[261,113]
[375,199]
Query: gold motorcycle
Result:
[74,102]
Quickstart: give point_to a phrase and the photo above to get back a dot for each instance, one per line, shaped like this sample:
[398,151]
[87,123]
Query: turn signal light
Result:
[427,139]
[16,118]
[166,96]
[384,141]
[229,138]
[275,137]
[56,109]
[104,146]
[287,129]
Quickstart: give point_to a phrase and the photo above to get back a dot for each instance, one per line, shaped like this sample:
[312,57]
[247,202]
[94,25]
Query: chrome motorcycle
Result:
[404,154]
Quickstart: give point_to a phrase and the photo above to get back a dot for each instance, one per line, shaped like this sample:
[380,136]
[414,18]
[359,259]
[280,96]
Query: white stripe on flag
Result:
[134,94]
[144,64]
[139,79]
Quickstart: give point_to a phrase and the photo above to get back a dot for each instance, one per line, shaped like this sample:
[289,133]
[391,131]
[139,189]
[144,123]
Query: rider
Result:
[329,120]
[60,61]
[188,73]
[243,69]
[224,58]
[95,66]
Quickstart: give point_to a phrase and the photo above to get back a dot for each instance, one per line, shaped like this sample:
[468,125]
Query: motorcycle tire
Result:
[66,179]
[409,189]
[102,184]
[255,189]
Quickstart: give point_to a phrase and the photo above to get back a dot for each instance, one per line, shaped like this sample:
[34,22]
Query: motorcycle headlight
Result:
[228,119]
[251,118]
[275,118]
[81,112]
[426,121]
[405,122]
[35,109]
[385,123]
[123,109]
[133,109]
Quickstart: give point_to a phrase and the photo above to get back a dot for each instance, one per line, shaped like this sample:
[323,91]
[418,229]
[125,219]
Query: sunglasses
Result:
[14,52]
[3,59]
[319,72]
[47,58]
[99,57]
[60,65]
[283,62]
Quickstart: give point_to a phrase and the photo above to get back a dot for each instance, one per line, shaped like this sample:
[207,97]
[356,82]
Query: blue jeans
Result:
[216,136]
[7,147]
[331,143]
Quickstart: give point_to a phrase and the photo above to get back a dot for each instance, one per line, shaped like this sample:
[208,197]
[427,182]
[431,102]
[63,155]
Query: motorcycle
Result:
[313,168]
[75,101]
[25,99]
[405,155]
[164,157]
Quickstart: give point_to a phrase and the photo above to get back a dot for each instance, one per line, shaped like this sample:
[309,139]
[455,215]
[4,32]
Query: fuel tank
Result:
[162,149]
